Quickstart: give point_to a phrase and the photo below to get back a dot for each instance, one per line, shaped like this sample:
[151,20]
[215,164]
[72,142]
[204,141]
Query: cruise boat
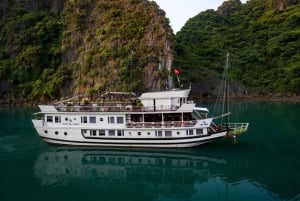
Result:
[164,119]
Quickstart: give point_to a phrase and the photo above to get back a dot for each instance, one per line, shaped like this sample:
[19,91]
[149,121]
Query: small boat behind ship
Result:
[164,119]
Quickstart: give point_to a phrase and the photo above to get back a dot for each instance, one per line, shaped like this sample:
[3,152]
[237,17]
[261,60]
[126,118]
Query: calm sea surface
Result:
[264,164]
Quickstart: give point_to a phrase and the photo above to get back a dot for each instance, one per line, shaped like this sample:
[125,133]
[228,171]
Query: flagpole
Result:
[177,72]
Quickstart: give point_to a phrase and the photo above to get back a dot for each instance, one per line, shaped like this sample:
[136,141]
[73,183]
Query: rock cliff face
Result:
[282,4]
[119,45]
[122,45]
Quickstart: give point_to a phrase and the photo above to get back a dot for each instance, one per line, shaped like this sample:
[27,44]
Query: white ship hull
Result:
[168,122]
[134,143]
[74,137]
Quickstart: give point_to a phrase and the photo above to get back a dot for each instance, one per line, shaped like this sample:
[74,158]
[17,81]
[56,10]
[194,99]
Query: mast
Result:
[226,90]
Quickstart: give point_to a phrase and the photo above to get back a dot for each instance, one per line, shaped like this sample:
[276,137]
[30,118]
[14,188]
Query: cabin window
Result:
[120,133]
[120,120]
[111,120]
[168,133]
[101,119]
[139,133]
[84,119]
[189,132]
[111,132]
[158,133]
[57,119]
[101,132]
[93,132]
[92,120]
[49,119]
[199,131]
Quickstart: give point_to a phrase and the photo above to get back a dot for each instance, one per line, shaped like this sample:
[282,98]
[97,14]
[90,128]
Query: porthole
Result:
[148,133]
[139,133]
[101,119]
[66,119]
[65,133]
[178,133]
[45,131]
[56,132]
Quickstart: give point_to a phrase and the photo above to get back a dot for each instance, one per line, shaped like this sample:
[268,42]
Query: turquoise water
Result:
[264,164]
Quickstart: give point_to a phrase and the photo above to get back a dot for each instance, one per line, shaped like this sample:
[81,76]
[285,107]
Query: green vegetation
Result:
[125,45]
[263,41]
[30,54]
[115,44]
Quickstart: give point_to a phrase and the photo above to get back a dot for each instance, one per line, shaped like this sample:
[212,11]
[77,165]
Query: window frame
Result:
[49,119]
[92,119]
[120,120]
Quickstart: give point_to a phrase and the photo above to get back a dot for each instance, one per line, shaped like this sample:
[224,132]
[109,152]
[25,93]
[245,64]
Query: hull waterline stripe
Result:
[129,143]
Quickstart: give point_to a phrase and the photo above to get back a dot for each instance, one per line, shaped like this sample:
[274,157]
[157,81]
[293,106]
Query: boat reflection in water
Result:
[63,167]
[147,175]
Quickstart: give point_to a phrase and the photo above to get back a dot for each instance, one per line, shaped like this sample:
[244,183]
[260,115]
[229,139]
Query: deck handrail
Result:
[237,125]
[166,124]
[237,128]
[114,108]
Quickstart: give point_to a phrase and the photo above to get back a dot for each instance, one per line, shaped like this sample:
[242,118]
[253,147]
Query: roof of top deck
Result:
[176,93]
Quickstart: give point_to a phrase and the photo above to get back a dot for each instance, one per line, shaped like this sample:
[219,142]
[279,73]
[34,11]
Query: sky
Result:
[179,11]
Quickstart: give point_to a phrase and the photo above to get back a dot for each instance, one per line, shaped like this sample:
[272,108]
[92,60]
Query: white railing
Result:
[114,108]
[237,128]
[166,124]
